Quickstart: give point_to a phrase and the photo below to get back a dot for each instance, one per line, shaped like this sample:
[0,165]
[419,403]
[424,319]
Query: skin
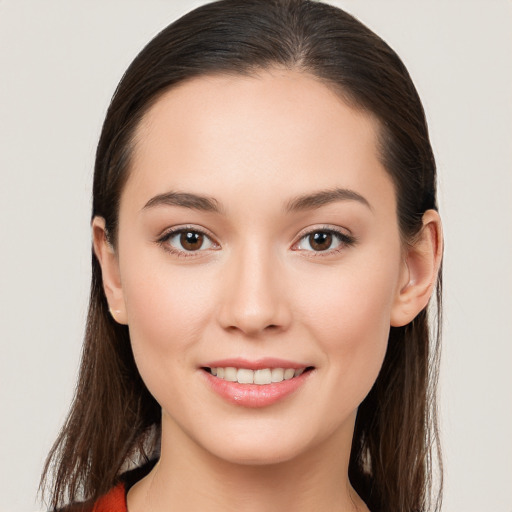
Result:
[257,289]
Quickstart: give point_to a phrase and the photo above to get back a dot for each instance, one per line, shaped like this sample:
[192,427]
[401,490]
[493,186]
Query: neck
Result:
[188,478]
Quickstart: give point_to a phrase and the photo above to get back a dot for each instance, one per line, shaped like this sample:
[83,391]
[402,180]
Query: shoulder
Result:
[113,501]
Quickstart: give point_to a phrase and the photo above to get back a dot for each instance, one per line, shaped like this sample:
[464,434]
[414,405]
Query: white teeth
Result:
[263,376]
[277,374]
[289,373]
[230,374]
[260,377]
[245,376]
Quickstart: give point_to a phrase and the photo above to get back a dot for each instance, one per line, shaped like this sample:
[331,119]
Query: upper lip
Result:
[258,364]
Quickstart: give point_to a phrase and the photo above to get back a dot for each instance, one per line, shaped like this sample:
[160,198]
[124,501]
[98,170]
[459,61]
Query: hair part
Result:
[396,444]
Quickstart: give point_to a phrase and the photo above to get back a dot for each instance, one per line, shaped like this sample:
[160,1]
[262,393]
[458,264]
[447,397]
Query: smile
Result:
[257,383]
[260,377]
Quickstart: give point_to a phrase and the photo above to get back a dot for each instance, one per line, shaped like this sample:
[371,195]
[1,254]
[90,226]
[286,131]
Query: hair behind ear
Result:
[110,419]
[399,418]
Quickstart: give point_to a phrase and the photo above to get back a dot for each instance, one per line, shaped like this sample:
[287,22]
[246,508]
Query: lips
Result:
[255,384]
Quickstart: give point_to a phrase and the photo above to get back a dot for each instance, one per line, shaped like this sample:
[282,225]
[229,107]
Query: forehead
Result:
[277,130]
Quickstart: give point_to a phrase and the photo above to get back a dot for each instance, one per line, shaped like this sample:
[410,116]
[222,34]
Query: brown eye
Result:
[320,241]
[325,240]
[186,241]
[191,240]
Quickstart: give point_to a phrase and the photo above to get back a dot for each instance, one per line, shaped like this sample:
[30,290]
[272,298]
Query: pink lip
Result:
[267,362]
[255,395]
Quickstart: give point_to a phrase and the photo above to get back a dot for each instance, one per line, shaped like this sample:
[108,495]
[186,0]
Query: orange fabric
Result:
[113,501]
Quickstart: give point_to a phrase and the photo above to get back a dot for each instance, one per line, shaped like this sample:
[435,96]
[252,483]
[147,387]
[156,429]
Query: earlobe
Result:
[109,263]
[420,270]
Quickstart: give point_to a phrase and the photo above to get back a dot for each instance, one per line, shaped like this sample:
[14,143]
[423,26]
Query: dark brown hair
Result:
[395,445]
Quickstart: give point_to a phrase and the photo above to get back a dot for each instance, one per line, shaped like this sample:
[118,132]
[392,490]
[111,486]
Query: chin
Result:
[257,447]
[257,456]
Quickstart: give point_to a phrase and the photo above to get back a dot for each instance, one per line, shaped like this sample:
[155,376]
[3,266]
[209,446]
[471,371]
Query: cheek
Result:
[347,304]
[350,320]
[167,311]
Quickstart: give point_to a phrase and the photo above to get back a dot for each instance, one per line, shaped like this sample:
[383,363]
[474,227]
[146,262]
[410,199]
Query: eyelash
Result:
[344,240]
[164,239]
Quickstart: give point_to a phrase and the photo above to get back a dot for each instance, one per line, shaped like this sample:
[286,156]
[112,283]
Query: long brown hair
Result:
[113,417]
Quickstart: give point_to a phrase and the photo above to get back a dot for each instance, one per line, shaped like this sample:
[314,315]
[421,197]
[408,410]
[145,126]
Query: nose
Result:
[254,293]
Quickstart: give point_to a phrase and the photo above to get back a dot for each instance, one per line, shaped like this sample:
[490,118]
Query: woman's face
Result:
[258,231]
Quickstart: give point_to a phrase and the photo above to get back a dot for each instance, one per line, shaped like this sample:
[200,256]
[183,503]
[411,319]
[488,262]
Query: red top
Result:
[113,501]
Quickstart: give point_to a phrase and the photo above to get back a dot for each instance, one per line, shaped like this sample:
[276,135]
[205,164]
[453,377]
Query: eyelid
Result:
[168,233]
[345,239]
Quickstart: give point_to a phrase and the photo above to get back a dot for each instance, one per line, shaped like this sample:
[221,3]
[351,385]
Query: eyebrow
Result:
[324,197]
[185,200]
[300,203]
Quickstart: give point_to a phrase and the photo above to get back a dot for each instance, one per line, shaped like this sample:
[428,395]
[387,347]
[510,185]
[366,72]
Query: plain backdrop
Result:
[59,64]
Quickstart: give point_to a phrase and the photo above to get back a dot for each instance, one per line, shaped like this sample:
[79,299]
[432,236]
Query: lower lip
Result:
[255,395]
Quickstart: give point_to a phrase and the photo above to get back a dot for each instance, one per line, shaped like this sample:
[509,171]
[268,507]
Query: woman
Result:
[266,241]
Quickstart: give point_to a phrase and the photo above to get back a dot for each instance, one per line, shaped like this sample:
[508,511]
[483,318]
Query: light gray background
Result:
[59,64]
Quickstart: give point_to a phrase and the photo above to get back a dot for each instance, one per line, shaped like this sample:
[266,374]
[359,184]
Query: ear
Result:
[419,273]
[109,263]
